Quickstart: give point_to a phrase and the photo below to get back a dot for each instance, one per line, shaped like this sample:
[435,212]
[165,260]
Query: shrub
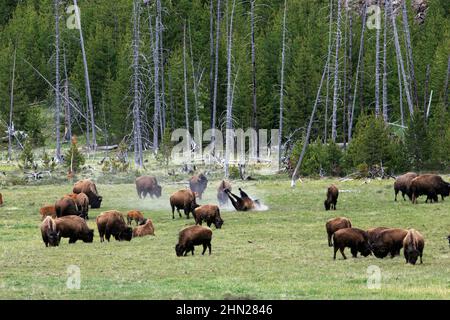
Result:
[26,157]
[73,158]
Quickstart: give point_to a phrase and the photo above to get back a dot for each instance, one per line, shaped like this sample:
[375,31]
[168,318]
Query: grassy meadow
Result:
[280,253]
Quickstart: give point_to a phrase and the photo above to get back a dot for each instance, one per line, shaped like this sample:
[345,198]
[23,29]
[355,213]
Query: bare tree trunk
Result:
[308,130]
[385,89]
[336,73]
[172,120]
[350,71]
[400,90]
[446,84]
[186,103]
[67,111]
[327,101]
[377,70]
[229,90]
[216,76]
[410,54]
[344,104]
[400,59]
[283,59]
[194,77]
[361,49]
[57,83]
[11,108]
[88,86]
[425,96]
[211,59]
[138,156]
[161,53]
[157,106]
[255,106]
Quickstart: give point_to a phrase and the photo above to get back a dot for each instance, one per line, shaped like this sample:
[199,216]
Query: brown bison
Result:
[183,199]
[50,234]
[413,245]
[210,214]
[82,201]
[336,224]
[1,199]
[373,233]
[388,241]
[222,196]
[430,185]
[193,236]
[403,184]
[332,197]
[48,210]
[353,238]
[135,215]
[113,223]
[198,184]
[448,238]
[147,185]
[147,229]
[74,228]
[90,189]
[66,206]
[242,203]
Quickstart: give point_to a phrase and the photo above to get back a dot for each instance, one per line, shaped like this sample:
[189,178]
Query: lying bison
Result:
[66,206]
[198,184]
[336,224]
[332,197]
[82,201]
[430,185]
[50,234]
[147,185]
[242,203]
[413,245]
[112,223]
[222,196]
[135,215]
[403,184]
[74,228]
[353,238]
[147,229]
[47,211]
[210,214]
[183,199]
[90,189]
[193,236]
[389,241]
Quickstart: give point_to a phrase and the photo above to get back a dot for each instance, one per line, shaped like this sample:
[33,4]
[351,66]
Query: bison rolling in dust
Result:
[336,224]
[403,184]
[332,197]
[193,236]
[242,203]
[147,185]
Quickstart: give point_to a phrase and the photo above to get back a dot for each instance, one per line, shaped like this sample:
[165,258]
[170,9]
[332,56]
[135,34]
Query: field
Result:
[280,253]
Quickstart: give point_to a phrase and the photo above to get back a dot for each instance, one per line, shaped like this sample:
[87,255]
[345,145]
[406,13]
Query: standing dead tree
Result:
[385,89]
[161,64]
[377,68]
[255,106]
[57,84]
[216,77]
[211,59]
[283,60]
[327,101]
[137,125]
[67,111]
[186,102]
[156,81]
[11,108]
[336,73]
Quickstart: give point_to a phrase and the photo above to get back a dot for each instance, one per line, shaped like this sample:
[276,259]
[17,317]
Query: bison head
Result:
[412,256]
[218,223]
[89,236]
[53,238]
[158,191]
[126,234]
[179,250]
[95,202]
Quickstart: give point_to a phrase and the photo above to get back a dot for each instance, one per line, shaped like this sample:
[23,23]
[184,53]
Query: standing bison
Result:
[210,214]
[389,241]
[198,184]
[183,199]
[332,197]
[147,185]
[135,215]
[74,228]
[66,206]
[353,238]
[112,223]
[413,246]
[82,201]
[430,185]
[50,234]
[336,224]
[193,236]
[89,188]
[403,184]
[222,196]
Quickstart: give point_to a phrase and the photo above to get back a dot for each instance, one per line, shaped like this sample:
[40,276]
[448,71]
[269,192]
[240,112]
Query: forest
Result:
[364,83]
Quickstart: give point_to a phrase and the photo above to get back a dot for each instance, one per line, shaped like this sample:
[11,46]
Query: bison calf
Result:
[146,229]
[112,223]
[210,214]
[413,245]
[332,197]
[336,224]
[389,241]
[353,238]
[135,215]
[74,228]
[191,237]
[50,234]
[46,211]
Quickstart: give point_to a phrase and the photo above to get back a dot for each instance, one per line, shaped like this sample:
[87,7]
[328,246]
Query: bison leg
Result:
[396,193]
[354,252]
[335,250]
[342,252]
[329,240]
[209,247]
[204,248]
[72,240]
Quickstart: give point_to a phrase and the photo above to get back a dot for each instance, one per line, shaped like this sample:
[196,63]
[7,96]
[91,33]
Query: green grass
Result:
[281,253]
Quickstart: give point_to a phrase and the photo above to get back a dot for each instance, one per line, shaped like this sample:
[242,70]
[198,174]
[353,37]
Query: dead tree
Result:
[308,130]
[90,105]
[67,111]
[216,76]
[157,97]
[377,69]
[385,89]
[57,83]
[161,64]
[186,103]
[327,101]
[350,67]
[400,90]
[211,59]
[283,59]
[255,107]
[425,95]
[11,108]
[336,73]
[137,125]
